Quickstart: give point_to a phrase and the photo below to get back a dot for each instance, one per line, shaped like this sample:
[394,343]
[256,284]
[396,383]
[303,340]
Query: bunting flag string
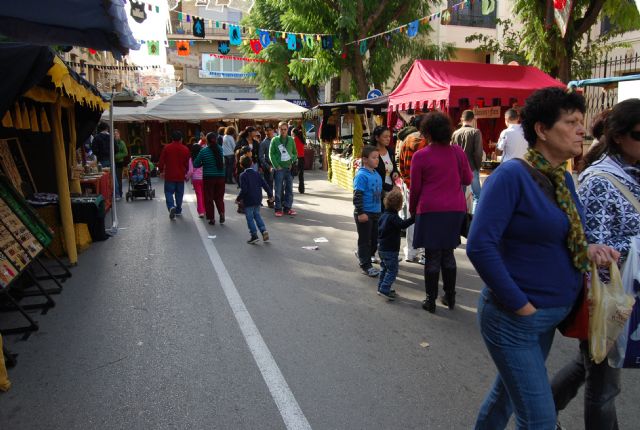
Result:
[100,67]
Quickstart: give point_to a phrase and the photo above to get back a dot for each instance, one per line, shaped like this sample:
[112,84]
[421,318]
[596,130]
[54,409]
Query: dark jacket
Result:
[100,147]
[470,140]
[389,227]
[381,169]
[251,186]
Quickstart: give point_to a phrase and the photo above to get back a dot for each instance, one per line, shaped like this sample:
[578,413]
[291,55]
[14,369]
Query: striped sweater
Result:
[207,161]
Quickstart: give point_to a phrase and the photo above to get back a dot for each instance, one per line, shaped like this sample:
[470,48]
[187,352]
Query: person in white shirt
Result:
[512,143]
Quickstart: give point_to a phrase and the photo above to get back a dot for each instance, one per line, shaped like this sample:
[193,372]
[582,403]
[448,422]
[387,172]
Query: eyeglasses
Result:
[635,135]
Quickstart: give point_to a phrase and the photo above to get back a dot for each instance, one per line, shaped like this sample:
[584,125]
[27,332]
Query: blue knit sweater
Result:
[517,241]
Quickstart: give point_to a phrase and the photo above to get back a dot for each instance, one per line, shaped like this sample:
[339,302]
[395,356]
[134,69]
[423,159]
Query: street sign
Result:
[375,93]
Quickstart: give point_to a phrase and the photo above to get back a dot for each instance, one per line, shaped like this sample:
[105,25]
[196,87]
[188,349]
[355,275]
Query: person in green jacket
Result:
[282,153]
[120,155]
[210,158]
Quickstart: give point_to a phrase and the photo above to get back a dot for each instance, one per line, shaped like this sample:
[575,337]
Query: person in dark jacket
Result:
[389,227]
[251,186]
[101,145]
[387,167]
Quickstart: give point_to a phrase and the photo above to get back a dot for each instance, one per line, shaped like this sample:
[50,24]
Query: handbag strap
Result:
[622,188]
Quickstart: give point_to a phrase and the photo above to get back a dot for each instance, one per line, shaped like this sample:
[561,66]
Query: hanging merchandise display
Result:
[198,27]
[265,38]
[138,12]
[153,47]
[223,47]
[235,37]
[183,48]
[256,47]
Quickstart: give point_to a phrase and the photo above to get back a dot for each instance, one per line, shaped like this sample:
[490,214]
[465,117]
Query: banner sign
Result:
[225,75]
[487,112]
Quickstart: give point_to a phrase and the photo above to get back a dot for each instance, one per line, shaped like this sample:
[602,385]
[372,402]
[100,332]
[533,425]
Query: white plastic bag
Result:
[626,350]
[609,309]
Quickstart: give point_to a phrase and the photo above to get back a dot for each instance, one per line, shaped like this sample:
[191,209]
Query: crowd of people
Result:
[223,157]
[533,239]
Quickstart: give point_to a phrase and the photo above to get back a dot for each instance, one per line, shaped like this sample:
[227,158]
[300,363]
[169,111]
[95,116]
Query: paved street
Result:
[150,333]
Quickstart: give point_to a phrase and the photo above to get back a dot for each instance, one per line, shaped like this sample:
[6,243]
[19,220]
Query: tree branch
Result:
[583,24]
[373,18]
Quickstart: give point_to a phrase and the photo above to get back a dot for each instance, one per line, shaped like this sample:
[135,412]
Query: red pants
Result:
[213,193]
[198,186]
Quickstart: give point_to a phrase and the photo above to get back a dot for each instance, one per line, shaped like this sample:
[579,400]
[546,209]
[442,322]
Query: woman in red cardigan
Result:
[438,173]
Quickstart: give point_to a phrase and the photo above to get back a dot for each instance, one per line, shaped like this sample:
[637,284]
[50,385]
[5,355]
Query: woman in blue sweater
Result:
[528,245]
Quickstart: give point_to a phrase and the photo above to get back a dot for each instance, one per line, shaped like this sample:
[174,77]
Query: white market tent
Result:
[186,105]
[265,109]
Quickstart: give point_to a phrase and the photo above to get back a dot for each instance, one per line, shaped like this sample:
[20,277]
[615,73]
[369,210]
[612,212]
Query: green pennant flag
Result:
[153,47]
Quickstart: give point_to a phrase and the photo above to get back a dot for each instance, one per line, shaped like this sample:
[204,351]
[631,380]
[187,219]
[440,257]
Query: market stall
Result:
[488,89]
[46,109]
[343,131]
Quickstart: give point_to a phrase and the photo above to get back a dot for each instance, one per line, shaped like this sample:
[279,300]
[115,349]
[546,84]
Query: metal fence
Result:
[600,98]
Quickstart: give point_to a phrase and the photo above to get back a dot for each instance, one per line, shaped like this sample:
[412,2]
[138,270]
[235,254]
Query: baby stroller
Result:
[140,182]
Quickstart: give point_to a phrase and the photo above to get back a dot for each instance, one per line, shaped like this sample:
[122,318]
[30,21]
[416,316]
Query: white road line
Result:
[287,404]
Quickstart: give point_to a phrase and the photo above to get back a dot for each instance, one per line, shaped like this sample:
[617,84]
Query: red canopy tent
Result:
[455,86]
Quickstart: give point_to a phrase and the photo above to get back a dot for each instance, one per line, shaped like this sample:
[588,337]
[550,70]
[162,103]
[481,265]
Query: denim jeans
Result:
[283,178]
[475,189]
[389,266]
[171,188]
[252,214]
[519,346]
[602,385]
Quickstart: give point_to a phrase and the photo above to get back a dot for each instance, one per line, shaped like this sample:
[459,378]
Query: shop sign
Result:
[487,112]
[225,75]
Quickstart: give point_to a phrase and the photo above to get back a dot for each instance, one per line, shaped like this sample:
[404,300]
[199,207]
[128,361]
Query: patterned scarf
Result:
[631,170]
[576,240]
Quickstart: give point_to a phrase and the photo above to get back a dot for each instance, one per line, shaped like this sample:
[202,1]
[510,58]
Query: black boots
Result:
[431,288]
[449,287]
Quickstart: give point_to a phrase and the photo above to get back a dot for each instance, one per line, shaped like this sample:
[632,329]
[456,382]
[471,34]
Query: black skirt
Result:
[438,230]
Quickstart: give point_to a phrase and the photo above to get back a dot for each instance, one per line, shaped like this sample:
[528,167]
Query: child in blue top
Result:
[367,189]
[389,228]
[251,186]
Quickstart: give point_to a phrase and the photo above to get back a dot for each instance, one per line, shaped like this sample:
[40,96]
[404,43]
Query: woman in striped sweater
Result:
[213,177]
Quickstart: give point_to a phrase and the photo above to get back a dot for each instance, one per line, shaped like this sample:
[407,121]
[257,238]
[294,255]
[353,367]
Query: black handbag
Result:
[294,168]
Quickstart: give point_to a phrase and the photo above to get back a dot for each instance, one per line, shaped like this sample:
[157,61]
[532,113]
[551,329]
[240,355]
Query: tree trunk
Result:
[358,74]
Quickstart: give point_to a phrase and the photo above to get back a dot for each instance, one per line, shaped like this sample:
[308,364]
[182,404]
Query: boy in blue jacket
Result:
[367,189]
[251,186]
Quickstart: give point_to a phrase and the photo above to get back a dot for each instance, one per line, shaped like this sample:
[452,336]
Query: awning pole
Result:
[114,214]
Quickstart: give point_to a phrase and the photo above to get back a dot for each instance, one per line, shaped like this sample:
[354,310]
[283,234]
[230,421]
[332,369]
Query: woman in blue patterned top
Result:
[611,219]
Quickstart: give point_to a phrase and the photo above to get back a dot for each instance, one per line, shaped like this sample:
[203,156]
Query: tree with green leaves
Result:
[540,42]
[370,63]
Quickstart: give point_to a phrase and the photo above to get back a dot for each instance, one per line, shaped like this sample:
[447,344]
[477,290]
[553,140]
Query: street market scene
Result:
[332,214]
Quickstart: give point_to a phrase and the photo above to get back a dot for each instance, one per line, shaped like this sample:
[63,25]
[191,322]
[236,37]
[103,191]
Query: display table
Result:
[98,184]
[342,172]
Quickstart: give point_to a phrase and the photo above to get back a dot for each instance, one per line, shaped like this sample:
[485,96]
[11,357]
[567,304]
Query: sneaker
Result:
[172,213]
[212,222]
[422,261]
[393,293]
[253,239]
[178,214]
[291,212]
[375,260]
[279,213]
[371,272]
[265,236]
[389,296]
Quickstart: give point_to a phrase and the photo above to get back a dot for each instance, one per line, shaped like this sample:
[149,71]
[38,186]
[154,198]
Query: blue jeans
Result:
[389,266]
[252,214]
[283,177]
[475,189]
[171,188]
[519,346]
